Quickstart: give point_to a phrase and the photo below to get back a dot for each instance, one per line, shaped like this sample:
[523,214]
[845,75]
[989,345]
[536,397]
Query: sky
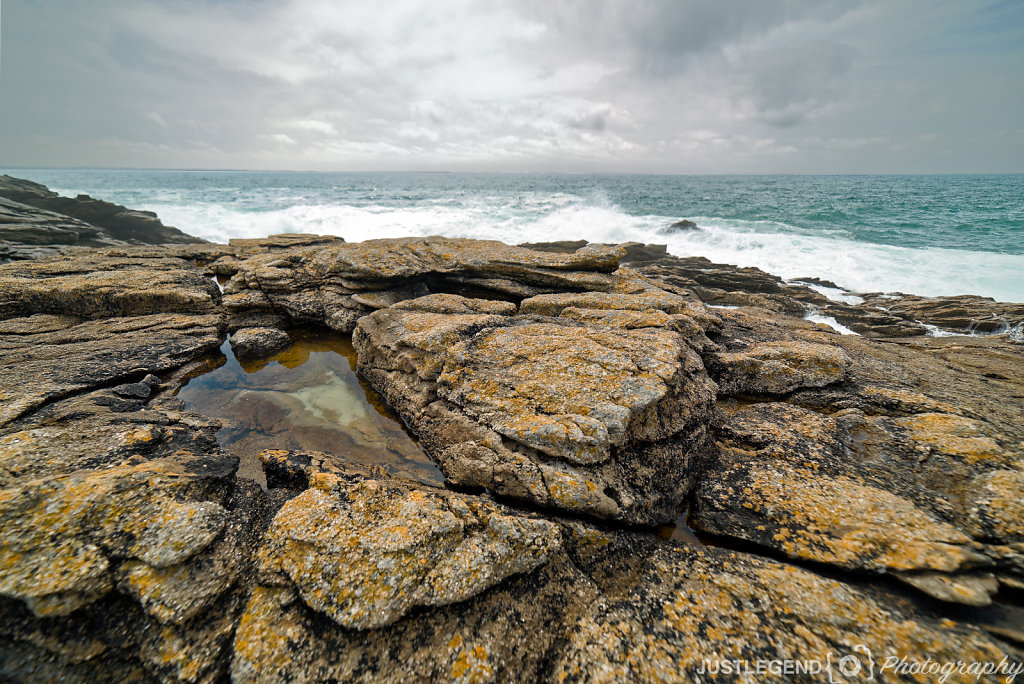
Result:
[645,86]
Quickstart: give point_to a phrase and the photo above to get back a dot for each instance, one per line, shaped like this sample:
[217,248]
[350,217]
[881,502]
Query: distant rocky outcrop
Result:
[681,226]
[35,221]
[847,491]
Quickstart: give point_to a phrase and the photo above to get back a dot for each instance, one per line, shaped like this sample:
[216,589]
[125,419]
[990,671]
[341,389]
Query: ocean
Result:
[926,235]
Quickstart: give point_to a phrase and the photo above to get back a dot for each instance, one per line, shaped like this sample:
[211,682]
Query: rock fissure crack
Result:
[131,549]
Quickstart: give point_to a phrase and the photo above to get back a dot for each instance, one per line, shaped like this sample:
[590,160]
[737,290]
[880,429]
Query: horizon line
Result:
[533,172]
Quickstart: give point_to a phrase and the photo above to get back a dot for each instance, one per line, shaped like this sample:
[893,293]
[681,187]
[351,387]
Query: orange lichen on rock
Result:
[965,438]
[840,521]
[567,392]
[996,506]
[58,533]
[780,367]
[367,558]
[707,609]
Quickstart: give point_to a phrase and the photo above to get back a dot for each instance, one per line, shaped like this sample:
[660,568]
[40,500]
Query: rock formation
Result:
[849,492]
[35,221]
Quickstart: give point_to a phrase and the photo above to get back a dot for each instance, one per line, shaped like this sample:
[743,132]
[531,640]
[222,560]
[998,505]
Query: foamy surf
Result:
[786,251]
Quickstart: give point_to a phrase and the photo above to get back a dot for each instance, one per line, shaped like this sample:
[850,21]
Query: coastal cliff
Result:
[585,404]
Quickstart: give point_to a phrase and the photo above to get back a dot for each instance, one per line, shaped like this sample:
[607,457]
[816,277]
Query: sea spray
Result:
[926,235]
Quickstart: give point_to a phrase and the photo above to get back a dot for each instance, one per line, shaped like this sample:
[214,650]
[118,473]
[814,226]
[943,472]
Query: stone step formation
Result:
[849,490]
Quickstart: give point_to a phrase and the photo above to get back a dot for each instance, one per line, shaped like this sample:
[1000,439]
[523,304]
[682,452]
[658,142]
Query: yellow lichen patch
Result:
[996,509]
[709,611]
[965,438]
[144,434]
[590,538]
[177,593]
[430,335]
[570,393]
[50,544]
[472,666]
[838,520]
[42,451]
[15,443]
[575,492]
[264,639]
[905,401]
[367,558]
[782,431]
[68,575]
[781,367]
[172,652]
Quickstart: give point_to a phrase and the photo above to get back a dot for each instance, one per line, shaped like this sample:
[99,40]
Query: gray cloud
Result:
[664,85]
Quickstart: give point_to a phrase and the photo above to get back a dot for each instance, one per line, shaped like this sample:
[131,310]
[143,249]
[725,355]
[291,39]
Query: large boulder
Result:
[605,414]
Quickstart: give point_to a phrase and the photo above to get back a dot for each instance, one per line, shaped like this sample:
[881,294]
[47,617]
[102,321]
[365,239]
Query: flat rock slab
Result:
[40,364]
[605,604]
[404,258]
[335,284]
[94,285]
[839,492]
[780,367]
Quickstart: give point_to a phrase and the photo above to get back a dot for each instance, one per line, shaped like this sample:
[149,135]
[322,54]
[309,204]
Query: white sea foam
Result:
[833,293]
[830,322]
[936,331]
[783,250]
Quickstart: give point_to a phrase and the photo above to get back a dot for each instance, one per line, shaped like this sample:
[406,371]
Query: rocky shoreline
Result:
[846,490]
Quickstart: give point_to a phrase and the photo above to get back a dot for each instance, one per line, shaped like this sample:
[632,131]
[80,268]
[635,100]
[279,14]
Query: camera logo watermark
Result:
[849,666]
[859,665]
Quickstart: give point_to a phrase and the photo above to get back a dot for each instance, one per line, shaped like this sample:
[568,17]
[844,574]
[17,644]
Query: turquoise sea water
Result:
[929,235]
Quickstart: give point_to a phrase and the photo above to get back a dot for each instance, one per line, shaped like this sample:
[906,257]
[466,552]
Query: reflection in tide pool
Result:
[305,398]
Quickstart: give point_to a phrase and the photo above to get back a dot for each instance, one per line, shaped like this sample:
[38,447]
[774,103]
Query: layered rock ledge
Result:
[846,490]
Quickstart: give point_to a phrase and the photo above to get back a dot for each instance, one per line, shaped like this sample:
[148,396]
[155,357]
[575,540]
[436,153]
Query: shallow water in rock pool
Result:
[304,398]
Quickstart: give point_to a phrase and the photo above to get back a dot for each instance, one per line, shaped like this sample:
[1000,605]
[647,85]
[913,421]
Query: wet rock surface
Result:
[256,342]
[849,492]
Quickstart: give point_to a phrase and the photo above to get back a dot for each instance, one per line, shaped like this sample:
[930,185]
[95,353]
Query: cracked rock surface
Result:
[847,491]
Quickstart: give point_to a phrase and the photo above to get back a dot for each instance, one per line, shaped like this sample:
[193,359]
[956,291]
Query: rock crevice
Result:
[552,378]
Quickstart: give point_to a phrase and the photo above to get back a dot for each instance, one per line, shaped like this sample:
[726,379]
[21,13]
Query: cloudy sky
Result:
[677,86]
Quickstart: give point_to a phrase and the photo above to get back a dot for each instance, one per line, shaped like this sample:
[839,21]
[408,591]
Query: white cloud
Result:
[313,126]
[663,85]
[280,138]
